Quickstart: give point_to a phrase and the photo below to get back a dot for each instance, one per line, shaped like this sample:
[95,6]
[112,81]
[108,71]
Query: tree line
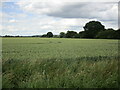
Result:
[92,29]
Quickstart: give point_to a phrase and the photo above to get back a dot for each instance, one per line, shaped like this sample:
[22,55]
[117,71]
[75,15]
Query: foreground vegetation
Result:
[60,63]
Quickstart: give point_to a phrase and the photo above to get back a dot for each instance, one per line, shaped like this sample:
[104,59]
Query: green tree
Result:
[62,35]
[77,35]
[71,34]
[92,28]
[82,34]
[117,34]
[56,36]
[107,34]
[44,35]
[49,34]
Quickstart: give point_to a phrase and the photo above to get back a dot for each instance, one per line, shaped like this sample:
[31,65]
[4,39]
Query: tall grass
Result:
[59,63]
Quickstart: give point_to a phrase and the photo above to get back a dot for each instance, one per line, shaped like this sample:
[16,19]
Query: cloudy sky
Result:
[37,18]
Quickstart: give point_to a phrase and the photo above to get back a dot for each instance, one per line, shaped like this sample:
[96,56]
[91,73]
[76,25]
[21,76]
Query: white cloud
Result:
[104,11]
[41,25]
[58,17]
[10,28]
[61,0]
[110,14]
[1,29]
[12,21]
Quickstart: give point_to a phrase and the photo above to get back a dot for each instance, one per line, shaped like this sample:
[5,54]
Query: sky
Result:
[39,17]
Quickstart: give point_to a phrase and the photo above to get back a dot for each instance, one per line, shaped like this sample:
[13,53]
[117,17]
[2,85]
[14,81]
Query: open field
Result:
[57,63]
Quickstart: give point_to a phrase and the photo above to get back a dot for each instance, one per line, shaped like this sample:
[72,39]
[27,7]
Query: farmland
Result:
[59,63]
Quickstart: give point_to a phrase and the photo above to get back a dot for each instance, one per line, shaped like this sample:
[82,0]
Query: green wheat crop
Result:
[59,63]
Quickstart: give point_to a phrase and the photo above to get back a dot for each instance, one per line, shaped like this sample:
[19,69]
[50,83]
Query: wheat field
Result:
[59,63]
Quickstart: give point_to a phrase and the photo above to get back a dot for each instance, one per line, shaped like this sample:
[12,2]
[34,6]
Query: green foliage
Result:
[56,36]
[117,34]
[62,35]
[77,35]
[44,35]
[82,34]
[108,34]
[59,63]
[49,34]
[93,25]
[71,34]
[92,28]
